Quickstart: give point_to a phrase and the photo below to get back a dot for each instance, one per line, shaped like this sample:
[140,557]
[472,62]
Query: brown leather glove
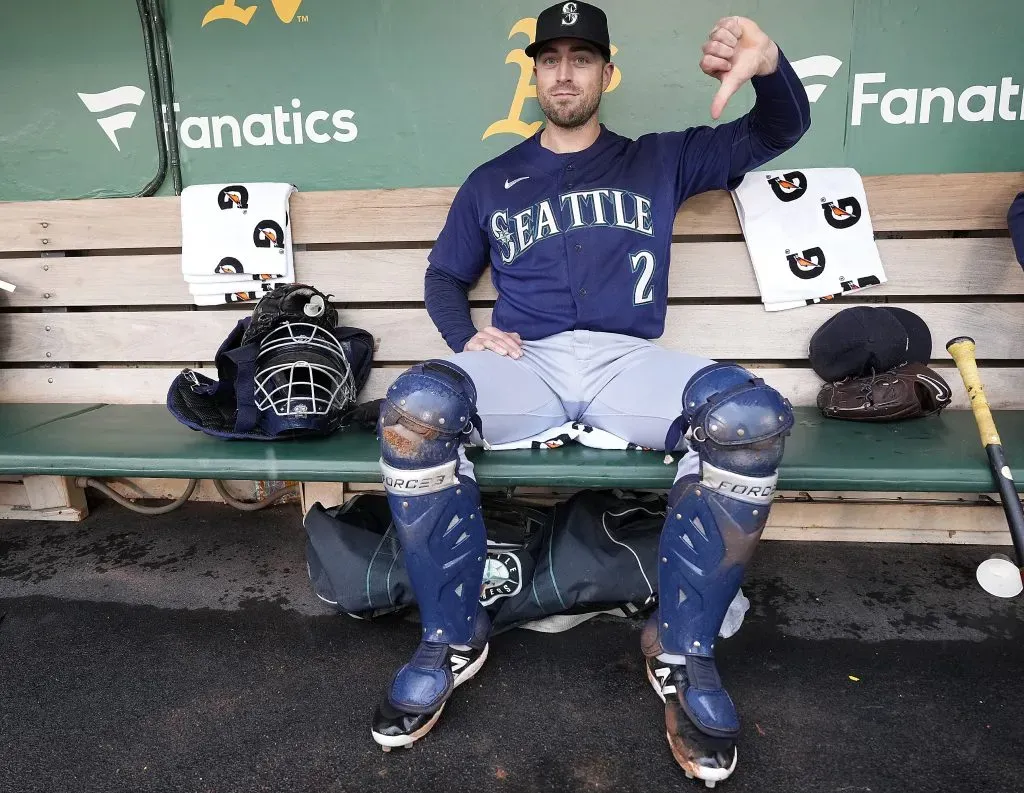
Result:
[906,392]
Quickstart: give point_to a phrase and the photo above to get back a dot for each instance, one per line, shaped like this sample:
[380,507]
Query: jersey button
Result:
[569,167]
[579,247]
[583,293]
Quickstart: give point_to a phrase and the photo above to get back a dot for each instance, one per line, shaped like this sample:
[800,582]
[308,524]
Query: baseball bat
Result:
[997,578]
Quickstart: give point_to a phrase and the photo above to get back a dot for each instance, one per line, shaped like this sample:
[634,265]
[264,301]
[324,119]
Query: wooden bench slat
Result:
[148,385]
[408,334]
[718,270]
[897,203]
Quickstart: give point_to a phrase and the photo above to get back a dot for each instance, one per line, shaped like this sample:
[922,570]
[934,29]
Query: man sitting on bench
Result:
[576,223]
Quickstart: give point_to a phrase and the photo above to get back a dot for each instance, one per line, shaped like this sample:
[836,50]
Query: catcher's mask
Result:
[303,381]
[287,371]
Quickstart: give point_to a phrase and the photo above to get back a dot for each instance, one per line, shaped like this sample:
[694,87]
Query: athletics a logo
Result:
[127,96]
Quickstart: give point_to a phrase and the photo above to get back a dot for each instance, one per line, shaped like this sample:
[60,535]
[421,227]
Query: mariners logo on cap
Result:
[569,14]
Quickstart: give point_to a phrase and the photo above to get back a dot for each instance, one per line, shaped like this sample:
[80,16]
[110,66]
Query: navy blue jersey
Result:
[582,240]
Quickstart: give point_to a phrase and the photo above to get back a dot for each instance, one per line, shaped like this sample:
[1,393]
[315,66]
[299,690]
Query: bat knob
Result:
[958,340]
[1000,576]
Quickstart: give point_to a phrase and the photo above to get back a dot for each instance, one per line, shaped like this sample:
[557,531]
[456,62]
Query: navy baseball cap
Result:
[572,20]
[863,339]
[919,338]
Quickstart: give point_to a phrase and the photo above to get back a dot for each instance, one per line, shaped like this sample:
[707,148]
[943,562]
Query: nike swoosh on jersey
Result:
[508,184]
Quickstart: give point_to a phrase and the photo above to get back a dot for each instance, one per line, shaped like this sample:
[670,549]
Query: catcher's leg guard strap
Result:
[738,426]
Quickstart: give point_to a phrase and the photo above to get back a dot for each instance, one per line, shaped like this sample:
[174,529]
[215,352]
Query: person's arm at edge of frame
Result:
[1015,222]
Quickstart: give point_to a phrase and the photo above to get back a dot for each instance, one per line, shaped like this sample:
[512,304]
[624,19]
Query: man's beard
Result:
[569,117]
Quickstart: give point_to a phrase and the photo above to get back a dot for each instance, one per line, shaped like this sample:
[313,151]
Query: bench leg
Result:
[48,498]
[329,494]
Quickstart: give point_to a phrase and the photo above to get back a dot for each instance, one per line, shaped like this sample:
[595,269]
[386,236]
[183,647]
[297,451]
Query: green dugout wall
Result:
[343,94]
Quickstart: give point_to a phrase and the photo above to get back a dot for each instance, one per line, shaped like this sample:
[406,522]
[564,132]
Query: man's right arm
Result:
[1015,221]
[458,258]
[447,300]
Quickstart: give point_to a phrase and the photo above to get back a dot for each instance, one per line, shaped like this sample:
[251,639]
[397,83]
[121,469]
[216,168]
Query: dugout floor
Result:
[187,652]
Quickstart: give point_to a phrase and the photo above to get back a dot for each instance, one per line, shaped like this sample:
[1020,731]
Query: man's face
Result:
[571,76]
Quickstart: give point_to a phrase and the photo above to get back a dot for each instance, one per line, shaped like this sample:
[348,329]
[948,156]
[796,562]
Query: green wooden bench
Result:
[940,454]
[102,321]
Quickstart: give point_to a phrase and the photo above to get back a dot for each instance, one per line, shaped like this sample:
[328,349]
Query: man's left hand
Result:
[736,50]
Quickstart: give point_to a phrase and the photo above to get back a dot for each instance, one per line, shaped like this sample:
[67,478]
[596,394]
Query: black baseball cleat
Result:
[700,755]
[393,727]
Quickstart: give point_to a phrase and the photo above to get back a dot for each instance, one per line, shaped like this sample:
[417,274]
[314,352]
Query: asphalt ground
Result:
[187,652]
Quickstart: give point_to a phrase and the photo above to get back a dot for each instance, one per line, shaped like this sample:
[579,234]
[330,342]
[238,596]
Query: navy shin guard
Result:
[438,520]
[737,424]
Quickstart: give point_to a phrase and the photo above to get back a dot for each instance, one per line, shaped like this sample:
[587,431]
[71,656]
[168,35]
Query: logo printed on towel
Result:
[841,214]
[268,234]
[807,264]
[788,187]
[867,280]
[233,197]
[229,265]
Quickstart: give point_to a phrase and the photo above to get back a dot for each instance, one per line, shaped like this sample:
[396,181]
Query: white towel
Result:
[231,235]
[228,297]
[809,235]
[235,286]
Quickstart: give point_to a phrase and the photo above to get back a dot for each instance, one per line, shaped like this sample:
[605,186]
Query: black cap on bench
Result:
[863,339]
[572,20]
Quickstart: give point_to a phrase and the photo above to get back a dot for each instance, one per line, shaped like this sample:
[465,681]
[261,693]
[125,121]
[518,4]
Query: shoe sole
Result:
[710,776]
[389,742]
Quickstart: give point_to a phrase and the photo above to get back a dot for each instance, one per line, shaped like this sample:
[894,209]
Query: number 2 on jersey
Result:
[643,292]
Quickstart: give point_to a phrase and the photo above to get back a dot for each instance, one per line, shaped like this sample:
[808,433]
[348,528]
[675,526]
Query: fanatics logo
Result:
[127,96]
